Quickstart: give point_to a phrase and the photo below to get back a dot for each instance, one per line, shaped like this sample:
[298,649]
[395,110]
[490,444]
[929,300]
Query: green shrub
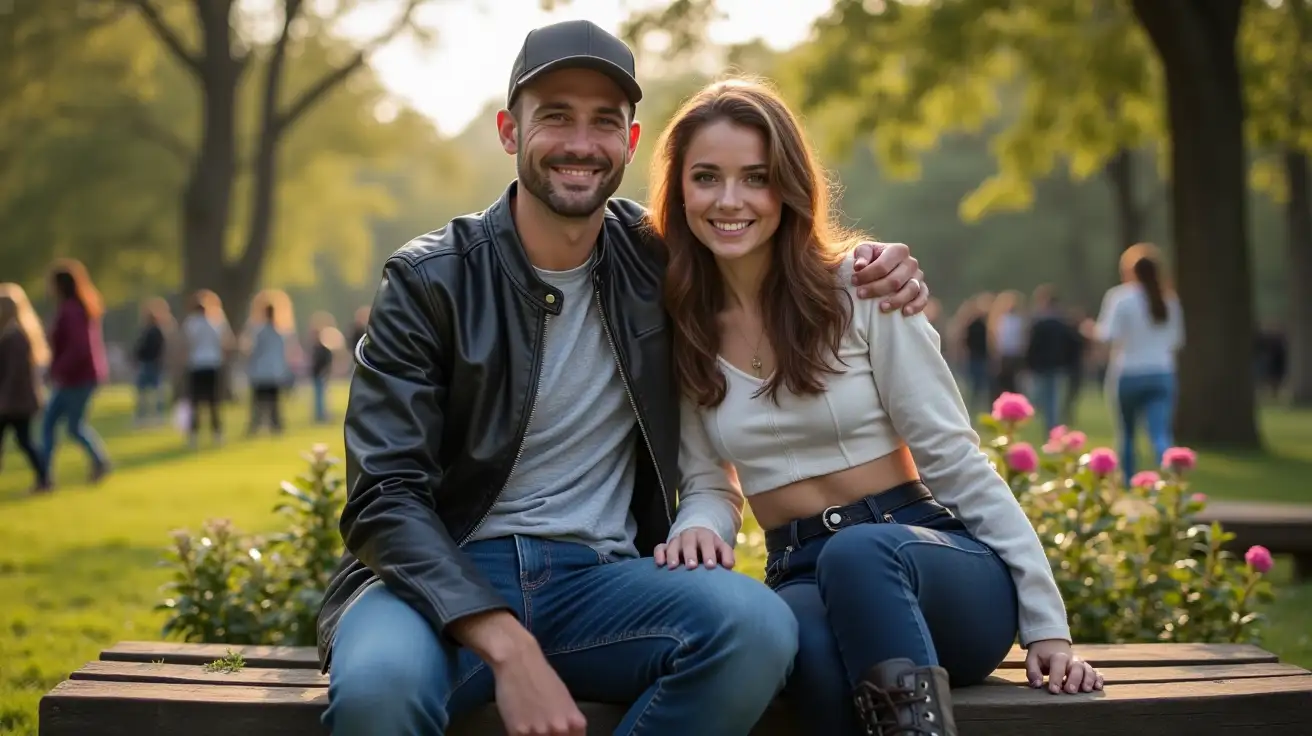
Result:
[236,589]
[1131,560]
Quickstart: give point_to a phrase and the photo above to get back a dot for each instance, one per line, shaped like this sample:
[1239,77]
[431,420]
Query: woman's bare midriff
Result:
[811,496]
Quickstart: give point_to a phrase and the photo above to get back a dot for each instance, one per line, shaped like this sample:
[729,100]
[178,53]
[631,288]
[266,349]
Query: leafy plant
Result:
[237,589]
[1131,559]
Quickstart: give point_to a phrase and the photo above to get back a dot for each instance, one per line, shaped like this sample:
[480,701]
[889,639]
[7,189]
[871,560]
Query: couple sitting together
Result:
[561,402]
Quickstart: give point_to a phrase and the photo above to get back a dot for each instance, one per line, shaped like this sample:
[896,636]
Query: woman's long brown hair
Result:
[804,308]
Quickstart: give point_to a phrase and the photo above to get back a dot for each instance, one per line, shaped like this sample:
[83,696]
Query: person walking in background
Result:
[325,341]
[269,345]
[24,353]
[1081,357]
[149,353]
[1048,354]
[978,356]
[209,342]
[77,364]
[1142,321]
[1007,333]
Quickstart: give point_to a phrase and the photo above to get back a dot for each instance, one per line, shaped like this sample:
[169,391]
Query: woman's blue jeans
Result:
[921,587]
[1150,396]
[69,404]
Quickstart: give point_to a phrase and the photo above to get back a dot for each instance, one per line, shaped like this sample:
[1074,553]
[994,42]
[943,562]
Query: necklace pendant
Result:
[756,366]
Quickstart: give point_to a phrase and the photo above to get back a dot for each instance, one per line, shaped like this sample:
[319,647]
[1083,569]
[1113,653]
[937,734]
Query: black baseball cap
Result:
[574,44]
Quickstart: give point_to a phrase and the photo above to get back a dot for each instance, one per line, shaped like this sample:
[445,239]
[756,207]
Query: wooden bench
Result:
[156,688]
[1281,528]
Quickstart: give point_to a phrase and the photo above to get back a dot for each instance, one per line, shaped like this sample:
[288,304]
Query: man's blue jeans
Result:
[694,651]
[921,587]
[1046,389]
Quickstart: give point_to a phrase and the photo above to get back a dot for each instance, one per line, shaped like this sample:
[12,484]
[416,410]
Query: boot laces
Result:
[878,708]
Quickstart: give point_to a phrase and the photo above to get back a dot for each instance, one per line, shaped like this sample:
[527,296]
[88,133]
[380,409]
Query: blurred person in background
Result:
[979,355]
[1143,323]
[209,344]
[77,364]
[24,354]
[1048,355]
[1081,359]
[325,342]
[150,353]
[269,345]
[1007,335]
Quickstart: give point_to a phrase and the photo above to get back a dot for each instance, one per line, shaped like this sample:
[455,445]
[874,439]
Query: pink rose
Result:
[1179,459]
[1258,558]
[1074,441]
[1145,479]
[1199,498]
[1011,407]
[1022,458]
[1102,461]
[1057,433]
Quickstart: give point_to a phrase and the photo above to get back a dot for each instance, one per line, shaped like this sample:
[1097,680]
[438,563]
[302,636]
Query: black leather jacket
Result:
[444,383]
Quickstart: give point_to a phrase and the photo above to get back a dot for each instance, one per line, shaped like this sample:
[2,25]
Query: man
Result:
[513,447]
[1048,353]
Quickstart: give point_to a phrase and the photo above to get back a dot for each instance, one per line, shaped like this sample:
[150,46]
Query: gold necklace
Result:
[756,351]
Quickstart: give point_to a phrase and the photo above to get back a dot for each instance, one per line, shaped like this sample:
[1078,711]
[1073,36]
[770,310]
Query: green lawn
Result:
[79,568]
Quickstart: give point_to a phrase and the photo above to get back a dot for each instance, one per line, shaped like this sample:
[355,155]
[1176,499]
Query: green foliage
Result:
[1074,83]
[229,588]
[1132,563]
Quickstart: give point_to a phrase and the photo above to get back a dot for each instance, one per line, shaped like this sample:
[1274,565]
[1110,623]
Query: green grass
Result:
[79,568]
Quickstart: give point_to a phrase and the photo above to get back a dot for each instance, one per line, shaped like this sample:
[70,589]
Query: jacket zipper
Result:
[624,378]
[533,407]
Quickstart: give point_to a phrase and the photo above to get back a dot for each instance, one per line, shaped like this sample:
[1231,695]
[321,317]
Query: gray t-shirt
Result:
[574,480]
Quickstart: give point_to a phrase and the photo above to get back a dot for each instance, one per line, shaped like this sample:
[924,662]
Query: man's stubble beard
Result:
[538,183]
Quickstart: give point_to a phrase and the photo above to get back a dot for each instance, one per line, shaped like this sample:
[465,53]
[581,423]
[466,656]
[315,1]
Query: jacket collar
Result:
[499,222]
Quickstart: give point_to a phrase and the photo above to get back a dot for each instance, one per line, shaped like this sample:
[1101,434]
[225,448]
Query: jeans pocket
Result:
[776,566]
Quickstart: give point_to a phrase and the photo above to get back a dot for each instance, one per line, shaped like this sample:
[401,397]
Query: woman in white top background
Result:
[209,345]
[1008,338]
[831,412]
[1142,321]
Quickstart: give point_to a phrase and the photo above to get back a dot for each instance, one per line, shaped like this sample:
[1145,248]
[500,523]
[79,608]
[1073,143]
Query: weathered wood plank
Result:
[1194,673]
[1102,655]
[179,653]
[1277,705]
[266,677]
[196,674]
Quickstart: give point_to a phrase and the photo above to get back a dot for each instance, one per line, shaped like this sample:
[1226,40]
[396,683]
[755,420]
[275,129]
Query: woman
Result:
[325,341]
[23,355]
[209,343]
[149,352]
[270,340]
[1007,333]
[830,412]
[1142,322]
[77,364]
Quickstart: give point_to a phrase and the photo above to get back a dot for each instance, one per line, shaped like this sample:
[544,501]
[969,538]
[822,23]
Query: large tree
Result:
[1278,79]
[225,50]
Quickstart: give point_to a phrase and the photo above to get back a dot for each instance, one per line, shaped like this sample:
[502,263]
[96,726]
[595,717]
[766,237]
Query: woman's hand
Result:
[1054,658]
[695,546]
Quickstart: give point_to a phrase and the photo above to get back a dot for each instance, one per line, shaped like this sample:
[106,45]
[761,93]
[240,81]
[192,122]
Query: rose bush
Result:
[1132,561]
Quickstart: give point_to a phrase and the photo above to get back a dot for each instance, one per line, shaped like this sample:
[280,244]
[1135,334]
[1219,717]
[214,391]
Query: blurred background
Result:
[271,153]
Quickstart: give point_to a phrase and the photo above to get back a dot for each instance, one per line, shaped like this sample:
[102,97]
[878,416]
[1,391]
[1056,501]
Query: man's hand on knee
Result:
[530,696]
[695,546]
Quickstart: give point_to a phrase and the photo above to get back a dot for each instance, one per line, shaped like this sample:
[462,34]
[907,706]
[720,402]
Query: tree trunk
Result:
[207,200]
[1195,40]
[1298,216]
[1129,213]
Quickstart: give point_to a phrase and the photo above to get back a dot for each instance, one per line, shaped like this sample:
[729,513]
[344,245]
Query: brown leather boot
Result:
[897,698]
